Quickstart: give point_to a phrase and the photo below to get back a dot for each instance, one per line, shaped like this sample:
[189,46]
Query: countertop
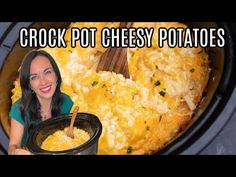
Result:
[225,142]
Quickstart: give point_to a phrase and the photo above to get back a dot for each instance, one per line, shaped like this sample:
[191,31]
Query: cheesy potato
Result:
[59,141]
[140,115]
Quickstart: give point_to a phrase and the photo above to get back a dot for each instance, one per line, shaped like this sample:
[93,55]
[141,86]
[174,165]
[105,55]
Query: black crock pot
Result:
[213,113]
[87,122]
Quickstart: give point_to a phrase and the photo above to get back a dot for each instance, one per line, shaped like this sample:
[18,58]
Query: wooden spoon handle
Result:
[73,117]
[115,59]
[126,24]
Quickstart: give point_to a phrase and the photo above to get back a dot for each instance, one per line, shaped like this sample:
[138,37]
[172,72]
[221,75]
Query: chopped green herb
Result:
[162,93]
[157,83]
[129,149]
[94,83]
[192,70]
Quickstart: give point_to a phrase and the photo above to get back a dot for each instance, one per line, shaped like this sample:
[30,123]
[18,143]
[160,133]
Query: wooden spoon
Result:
[115,59]
[72,121]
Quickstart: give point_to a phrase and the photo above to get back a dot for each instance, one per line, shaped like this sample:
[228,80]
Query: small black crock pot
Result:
[85,121]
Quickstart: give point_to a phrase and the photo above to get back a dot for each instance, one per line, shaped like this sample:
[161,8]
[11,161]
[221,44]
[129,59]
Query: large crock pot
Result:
[211,116]
[87,122]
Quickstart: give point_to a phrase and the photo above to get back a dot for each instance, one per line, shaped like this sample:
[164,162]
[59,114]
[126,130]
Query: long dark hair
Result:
[29,103]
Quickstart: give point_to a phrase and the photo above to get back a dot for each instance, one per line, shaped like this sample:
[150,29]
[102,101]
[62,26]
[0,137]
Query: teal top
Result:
[16,114]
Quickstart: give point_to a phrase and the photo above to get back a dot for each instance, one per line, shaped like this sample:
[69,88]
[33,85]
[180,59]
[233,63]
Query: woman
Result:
[40,82]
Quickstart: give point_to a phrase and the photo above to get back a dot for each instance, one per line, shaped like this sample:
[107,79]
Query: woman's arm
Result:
[16,134]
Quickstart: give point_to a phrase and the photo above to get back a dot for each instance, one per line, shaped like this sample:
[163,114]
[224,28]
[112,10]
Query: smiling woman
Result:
[41,98]
[43,79]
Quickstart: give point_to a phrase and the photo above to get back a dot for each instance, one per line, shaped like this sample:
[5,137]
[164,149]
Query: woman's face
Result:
[42,78]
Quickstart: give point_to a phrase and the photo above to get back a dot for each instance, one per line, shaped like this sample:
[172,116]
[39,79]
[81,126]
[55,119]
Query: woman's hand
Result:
[21,152]
[14,150]
[16,135]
